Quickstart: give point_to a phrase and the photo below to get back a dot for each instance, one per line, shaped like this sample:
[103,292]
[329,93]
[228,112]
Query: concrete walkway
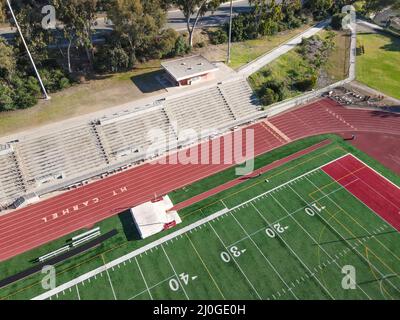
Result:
[267,58]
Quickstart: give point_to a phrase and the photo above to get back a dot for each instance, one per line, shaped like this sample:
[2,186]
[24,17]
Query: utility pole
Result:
[230,35]
[46,96]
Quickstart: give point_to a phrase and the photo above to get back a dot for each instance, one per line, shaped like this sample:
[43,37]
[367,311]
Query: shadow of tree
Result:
[394,44]
[353,238]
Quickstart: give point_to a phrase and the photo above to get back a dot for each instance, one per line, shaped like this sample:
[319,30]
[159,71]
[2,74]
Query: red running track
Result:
[232,183]
[327,116]
[51,219]
[375,191]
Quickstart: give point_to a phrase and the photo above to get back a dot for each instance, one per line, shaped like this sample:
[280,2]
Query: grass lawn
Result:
[166,268]
[279,70]
[335,68]
[82,99]
[246,51]
[379,66]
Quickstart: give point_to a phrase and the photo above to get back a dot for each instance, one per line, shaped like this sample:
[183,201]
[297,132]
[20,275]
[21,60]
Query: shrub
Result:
[337,21]
[268,96]
[218,37]
[181,47]
[164,46]
[306,84]
[54,79]
[6,98]
[272,91]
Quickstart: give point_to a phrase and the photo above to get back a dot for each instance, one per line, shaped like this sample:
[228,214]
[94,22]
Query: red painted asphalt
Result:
[372,189]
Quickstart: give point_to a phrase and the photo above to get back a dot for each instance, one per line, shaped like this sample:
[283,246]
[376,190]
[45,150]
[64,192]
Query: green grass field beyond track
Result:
[270,245]
[379,67]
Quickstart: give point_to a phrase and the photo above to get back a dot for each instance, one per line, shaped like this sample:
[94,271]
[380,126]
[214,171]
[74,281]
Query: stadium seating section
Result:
[39,162]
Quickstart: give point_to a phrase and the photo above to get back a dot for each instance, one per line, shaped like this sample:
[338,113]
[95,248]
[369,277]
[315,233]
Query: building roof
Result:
[188,67]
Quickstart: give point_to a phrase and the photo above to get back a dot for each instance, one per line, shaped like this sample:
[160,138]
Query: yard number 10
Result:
[313,209]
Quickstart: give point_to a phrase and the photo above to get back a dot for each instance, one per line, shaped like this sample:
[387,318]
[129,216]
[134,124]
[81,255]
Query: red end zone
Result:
[375,191]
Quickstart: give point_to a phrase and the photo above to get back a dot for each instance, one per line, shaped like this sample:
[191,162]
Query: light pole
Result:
[46,96]
[230,35]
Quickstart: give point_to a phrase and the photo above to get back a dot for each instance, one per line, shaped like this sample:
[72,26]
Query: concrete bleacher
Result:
[11,180]
[41,162]
[134,133]
[240,98]
[59,155]
[202,111]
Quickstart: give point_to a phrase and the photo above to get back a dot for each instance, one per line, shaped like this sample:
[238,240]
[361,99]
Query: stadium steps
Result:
[240,98]
[233,114]
[203,110]
[100,142]
[171,123]
[11,180]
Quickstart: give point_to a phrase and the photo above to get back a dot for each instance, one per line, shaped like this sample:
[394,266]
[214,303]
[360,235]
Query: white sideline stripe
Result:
[131,255]
[162,240]
[378,173]
[360,254]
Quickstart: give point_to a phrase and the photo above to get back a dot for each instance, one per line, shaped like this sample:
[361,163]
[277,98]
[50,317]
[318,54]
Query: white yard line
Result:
[268,261]
[358,253]
[144,279]
[111,285]
[291,214]
[77,292]
[173,269]
[236,263]
[311,237]
[295,254]
[166,238]
[152,287]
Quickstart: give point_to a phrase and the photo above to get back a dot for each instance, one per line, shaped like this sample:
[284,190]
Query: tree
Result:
[6,97]
[292,11]
[78,17]
[320,8]
[337,19]
[29,17]
[377,5]
[268,96]
[193,10]
[136,24]
[8,63]
[2,10]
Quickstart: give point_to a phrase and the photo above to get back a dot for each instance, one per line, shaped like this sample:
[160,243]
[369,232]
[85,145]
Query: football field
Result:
[294,234]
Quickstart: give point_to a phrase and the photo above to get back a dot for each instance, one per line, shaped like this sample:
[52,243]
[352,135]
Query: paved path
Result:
[267,58]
